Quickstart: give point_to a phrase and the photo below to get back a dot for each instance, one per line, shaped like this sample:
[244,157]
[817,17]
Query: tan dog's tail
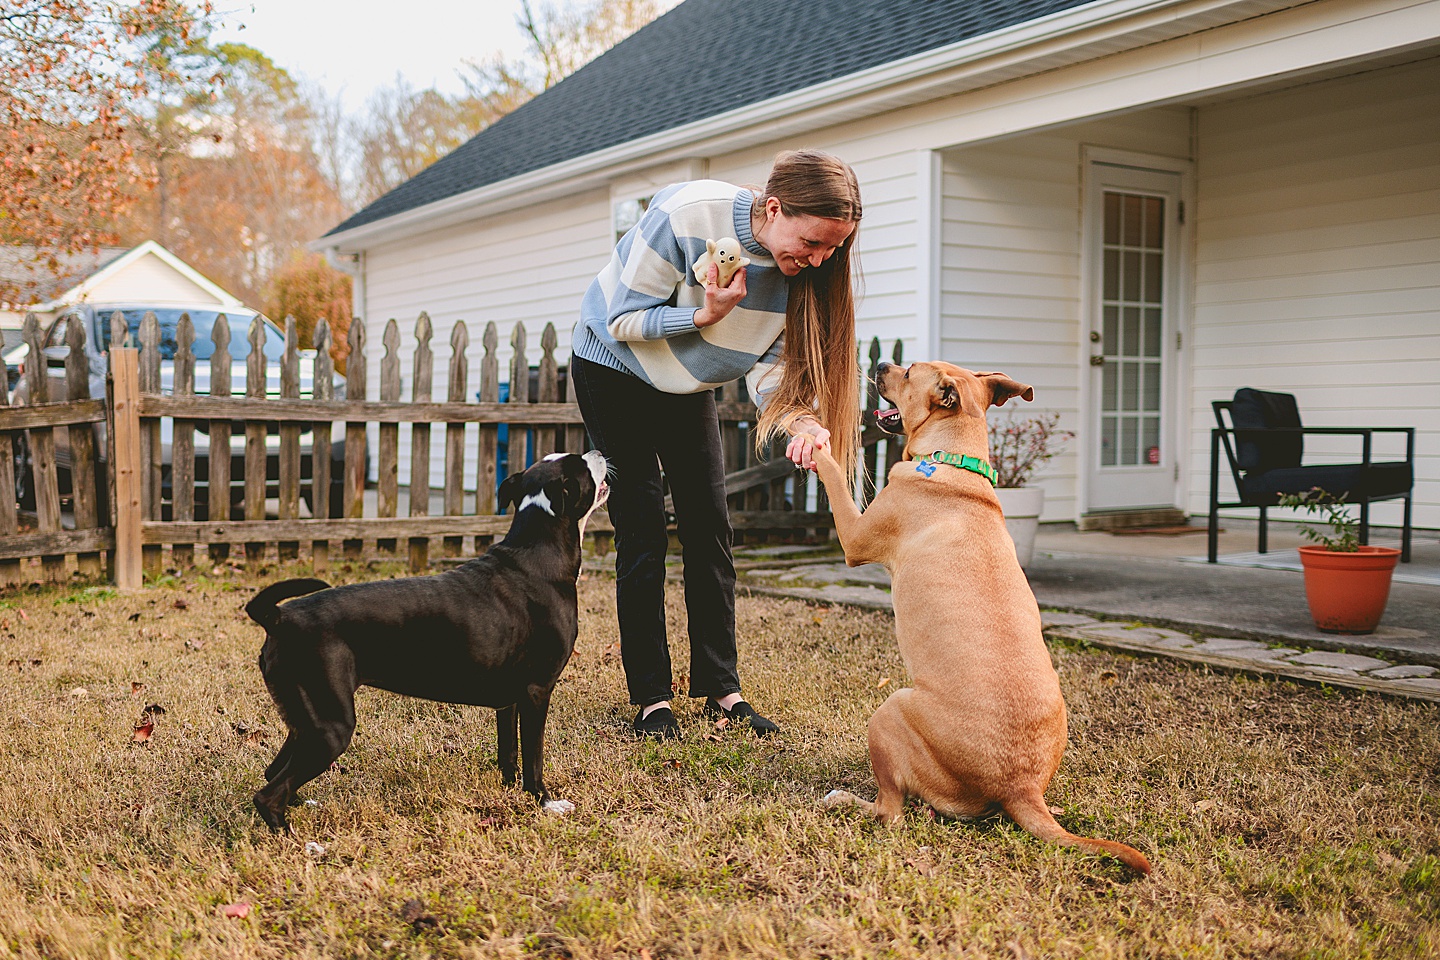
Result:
[1033,816]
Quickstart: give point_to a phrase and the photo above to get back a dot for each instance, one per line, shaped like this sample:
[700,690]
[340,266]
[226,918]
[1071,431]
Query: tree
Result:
[310,290]
[68,71]
[403,131]
[239,187]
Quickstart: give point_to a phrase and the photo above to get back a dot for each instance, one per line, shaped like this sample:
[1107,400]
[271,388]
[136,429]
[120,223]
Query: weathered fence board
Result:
[423,379]
[43,469]
[286,462]
[218,467]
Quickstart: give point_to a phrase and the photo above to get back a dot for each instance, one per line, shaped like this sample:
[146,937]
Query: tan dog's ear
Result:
[946,393]
[1002,388]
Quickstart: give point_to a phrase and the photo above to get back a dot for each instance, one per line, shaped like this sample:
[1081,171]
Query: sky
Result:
[352,48]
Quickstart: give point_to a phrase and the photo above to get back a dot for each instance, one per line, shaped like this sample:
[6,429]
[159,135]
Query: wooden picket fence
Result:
[125,511]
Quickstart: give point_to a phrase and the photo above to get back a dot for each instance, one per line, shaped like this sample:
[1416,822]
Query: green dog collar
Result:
[964,462]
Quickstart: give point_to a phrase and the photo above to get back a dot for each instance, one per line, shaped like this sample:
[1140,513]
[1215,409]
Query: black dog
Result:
[494,632]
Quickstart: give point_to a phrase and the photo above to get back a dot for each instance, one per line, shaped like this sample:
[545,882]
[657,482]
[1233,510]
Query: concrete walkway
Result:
[1154,594]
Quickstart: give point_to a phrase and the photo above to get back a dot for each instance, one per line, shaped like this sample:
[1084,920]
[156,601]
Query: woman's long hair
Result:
[821,372]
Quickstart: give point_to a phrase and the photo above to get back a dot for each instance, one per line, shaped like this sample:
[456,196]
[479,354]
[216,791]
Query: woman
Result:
[653,342]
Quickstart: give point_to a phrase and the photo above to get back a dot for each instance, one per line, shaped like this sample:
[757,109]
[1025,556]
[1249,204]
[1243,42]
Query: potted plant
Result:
[1019,446]
[1346,584]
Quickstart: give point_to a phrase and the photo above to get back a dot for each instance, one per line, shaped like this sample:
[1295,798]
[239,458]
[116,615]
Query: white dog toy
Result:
[725,254]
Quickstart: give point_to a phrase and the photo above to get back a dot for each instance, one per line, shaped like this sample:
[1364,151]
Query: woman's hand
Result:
[719,301]
[808,436]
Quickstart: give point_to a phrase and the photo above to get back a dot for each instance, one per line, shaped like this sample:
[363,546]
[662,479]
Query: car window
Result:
[204,322]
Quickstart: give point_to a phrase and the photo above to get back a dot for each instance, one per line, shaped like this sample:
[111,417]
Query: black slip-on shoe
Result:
[660,724]
[742,712]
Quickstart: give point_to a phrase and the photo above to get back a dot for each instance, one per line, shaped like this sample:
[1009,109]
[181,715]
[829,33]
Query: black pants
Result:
[640,430]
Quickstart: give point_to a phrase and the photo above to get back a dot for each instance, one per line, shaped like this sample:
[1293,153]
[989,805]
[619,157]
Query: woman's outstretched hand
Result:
[809,436]
[719,301]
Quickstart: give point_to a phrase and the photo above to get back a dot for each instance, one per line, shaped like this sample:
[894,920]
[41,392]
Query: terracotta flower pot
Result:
[1347,592]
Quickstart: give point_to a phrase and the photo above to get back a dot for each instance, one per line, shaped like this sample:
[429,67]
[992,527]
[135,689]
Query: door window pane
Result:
[1132,320]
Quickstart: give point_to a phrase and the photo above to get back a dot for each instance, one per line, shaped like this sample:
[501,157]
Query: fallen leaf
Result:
[883,681]
[673,764]
[136,687]
[181,604]
[722,723]
[1204,805]
[34,663]
[153,709]
[412,910]
[921,862]
[1056,811]
[20,611]
[79,692]
[714,739]
[144,730]
[239,911]
[133,617]
[313,849]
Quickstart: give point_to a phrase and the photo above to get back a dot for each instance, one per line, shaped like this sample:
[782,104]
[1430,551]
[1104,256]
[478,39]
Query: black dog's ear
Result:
[512,490]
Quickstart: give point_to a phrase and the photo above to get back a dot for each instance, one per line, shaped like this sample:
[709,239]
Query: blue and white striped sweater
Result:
[639,313]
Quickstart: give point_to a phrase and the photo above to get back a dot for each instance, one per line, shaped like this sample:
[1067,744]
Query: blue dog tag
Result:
[926,468]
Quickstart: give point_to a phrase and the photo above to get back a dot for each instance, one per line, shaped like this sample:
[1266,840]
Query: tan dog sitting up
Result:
[983,727]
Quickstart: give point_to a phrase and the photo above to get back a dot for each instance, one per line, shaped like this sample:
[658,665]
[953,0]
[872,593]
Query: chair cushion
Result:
[1379,482]
[1255,410]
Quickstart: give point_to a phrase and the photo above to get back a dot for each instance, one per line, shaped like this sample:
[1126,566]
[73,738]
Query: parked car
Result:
[95,321]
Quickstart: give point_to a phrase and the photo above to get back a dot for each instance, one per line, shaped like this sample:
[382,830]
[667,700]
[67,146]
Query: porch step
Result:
[1124,519]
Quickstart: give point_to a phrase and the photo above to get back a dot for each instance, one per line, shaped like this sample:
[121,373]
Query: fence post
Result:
[125,428]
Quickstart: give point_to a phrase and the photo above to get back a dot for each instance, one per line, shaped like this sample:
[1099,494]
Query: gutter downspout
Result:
[353,266]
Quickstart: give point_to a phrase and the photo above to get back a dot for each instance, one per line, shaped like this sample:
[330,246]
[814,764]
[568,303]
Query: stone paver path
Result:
[1251,656]
[813,579]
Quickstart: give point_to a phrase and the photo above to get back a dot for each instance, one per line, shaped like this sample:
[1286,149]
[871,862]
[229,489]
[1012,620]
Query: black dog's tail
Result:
[263,608]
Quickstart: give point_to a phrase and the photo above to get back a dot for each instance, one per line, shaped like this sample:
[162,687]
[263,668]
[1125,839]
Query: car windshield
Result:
[203,320]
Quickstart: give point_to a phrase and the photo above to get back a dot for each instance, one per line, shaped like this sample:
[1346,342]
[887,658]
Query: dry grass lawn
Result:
[1283,821]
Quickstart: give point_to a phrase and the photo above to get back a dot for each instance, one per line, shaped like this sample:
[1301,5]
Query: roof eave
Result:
[907,80]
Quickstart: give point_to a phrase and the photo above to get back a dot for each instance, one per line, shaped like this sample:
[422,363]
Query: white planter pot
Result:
[1022,507]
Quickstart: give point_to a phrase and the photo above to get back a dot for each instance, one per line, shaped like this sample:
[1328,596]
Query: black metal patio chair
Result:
[1264,443]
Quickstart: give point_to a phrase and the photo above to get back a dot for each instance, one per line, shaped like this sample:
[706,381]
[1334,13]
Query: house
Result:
[1137,206]
[147,273]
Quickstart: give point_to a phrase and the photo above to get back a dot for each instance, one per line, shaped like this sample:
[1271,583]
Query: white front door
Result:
[1132,226]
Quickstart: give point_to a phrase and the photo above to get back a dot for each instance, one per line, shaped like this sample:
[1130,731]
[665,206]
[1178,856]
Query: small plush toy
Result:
[725,254]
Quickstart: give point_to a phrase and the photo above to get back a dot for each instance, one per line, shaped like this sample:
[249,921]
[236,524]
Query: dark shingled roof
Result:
[703,58]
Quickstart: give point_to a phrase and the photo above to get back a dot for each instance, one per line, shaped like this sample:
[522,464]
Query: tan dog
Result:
[983,727]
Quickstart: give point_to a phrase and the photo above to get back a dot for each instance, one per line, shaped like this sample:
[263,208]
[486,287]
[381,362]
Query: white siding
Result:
[1318,264]
[530,266]
[1010,280]
[152,280]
